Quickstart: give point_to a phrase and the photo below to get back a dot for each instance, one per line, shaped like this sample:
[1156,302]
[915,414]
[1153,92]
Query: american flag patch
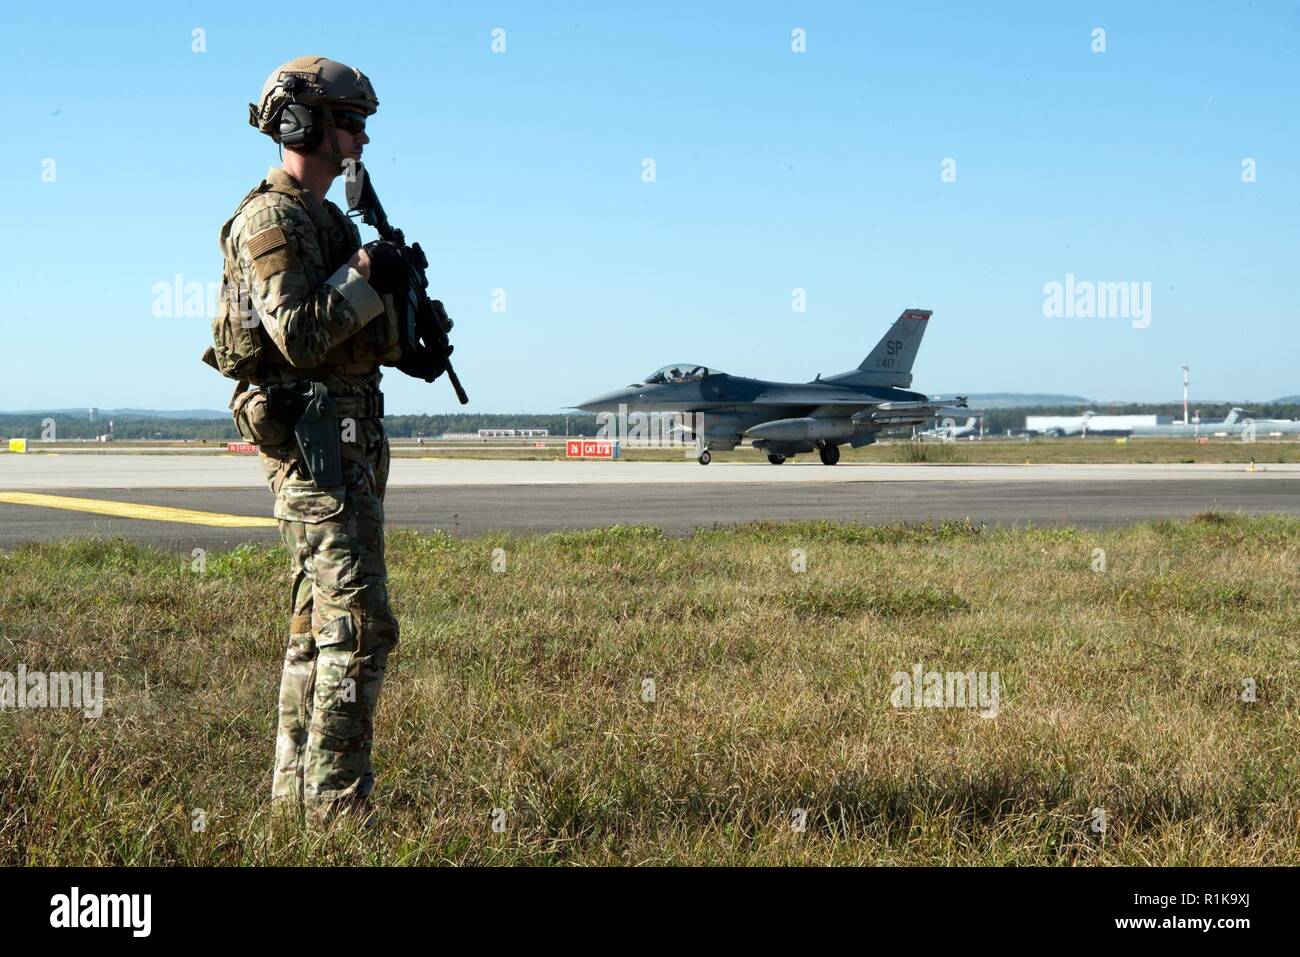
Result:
[266,240]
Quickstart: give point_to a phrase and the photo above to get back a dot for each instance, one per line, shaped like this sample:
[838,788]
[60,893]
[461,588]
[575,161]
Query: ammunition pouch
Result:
[236,332]
[255,421]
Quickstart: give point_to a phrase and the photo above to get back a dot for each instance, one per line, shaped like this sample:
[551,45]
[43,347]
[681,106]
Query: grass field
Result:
[524,690]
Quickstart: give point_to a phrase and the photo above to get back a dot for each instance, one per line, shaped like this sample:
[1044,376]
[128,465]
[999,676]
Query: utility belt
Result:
[305,413]
[360,406]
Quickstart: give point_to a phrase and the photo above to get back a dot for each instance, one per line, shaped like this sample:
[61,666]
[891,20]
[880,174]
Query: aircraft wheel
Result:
[776,459]
[705,458]
[830,454]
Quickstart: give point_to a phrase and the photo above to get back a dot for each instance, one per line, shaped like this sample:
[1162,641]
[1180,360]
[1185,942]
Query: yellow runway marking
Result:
[155,513]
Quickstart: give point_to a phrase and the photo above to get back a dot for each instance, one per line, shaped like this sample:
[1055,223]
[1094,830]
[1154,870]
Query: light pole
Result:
[1185,369]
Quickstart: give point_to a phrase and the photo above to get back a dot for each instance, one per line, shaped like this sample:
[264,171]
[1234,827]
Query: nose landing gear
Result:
[705,458]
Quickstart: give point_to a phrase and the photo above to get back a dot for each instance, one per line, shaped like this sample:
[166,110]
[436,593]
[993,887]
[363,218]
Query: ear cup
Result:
[300,127]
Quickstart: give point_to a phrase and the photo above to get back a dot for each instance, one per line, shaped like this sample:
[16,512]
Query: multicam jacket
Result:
[293,309]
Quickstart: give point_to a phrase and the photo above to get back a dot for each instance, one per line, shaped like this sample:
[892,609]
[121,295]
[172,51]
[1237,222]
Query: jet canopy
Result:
[679,372]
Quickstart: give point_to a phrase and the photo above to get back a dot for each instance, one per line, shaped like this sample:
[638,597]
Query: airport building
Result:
[1089,423]
[1238,422]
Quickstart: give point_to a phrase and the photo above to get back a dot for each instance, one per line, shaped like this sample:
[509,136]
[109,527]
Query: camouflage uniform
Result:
[288,251]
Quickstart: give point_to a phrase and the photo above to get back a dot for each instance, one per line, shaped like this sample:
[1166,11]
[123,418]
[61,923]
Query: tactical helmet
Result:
[310,81]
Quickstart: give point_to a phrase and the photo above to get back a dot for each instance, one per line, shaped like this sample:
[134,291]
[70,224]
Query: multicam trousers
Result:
[342,629]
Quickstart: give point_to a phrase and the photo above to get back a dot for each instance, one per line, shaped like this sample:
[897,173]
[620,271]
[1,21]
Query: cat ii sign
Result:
[591,449]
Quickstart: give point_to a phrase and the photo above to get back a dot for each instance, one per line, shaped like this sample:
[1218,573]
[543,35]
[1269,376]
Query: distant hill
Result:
[84,413]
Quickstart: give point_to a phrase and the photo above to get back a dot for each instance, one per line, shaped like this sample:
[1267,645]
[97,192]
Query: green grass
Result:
[523,691]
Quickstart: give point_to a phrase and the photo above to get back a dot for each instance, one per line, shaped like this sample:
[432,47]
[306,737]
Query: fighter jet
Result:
[785,419]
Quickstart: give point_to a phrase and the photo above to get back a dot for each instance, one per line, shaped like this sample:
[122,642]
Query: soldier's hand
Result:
[440,314]
[423,364]
[360,261]
[388,270]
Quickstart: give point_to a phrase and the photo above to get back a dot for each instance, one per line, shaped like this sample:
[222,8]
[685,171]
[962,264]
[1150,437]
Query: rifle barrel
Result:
[455,384]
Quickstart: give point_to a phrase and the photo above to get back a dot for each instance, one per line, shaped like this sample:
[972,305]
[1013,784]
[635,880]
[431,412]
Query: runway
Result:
[54,471]
[223,501]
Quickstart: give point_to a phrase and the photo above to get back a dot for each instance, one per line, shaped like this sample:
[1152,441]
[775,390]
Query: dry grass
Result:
[523,691]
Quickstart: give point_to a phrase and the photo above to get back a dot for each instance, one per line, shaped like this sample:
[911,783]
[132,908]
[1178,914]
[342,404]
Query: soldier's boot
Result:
[340,812]
[352,655]
[296,690]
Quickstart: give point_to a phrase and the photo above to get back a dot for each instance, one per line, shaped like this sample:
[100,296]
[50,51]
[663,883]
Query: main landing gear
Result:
[830,454]
[776,459]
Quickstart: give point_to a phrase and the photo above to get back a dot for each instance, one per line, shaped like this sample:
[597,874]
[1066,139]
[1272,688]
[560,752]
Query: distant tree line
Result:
[416,426]
[72,426]
[69,427]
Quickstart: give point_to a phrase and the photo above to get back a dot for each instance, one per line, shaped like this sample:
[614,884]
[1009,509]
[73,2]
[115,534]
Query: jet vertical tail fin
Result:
[890,362]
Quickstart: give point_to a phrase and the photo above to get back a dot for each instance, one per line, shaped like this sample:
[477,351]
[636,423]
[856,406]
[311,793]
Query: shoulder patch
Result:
[265,241]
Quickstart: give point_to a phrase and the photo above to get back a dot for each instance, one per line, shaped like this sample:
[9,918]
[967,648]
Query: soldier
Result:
[303,321]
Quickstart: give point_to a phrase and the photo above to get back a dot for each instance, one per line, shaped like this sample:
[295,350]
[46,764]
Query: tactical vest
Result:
[241,347]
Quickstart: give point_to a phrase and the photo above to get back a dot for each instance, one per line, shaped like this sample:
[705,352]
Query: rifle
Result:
[424,321]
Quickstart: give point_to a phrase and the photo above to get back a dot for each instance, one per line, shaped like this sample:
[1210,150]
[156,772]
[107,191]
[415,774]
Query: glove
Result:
[440,313]
[423,364]
[388,270]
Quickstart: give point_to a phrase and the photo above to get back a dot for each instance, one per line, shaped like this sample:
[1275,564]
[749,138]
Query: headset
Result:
[301,127]
[297,125]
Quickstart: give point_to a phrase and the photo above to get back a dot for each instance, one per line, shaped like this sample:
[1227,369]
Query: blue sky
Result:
[775,170]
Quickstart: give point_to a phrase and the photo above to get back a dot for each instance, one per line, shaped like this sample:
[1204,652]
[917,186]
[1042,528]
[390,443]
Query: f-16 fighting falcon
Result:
[786,418]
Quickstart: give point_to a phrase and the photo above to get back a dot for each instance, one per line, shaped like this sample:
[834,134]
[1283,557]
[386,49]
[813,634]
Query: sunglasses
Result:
[350,121]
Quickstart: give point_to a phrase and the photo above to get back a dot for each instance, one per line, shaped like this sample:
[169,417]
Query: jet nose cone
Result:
[609,402]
